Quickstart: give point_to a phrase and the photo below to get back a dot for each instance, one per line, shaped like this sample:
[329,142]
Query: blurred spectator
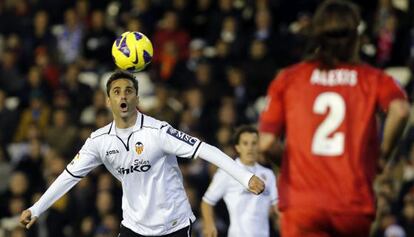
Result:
[20,16]
[169,31]
[103,117]
[104,205]
[167,61]
[260,69]
[211,87]
[142,11]
[394,231]
[34,83]
[50,71]
[79,93]
[62,127]
[385,40]
[32,165]
[408,215]
[11,79]
[8,120]
[201,18]
[5,170]
[231,33]
[97,44]
[238,89]
[38,113]
[263,27]
[69,38]
[225,8]
[82,9]
[16,196]
[135,24]
[87,227]
[88,114]
[164,108]
[40,35]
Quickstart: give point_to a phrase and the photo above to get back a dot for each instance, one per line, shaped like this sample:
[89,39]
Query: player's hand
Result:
[26,219]
[209,231]
[256,185]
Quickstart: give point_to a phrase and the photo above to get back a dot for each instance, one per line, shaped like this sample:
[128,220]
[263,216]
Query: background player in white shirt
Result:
[249,214]
[141,152]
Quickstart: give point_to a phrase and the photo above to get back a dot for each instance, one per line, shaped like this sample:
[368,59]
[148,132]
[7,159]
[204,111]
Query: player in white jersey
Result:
[249,214]
[141,152]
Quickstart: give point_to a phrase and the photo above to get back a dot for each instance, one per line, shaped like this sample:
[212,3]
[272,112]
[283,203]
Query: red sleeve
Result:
[272,118]
[389,90]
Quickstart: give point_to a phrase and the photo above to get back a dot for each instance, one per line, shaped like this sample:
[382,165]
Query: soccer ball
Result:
[132,51]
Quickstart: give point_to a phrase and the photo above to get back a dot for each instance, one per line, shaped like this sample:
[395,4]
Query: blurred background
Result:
[212,63]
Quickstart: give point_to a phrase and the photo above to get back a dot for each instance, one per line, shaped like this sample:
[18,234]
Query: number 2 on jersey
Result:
[322,143]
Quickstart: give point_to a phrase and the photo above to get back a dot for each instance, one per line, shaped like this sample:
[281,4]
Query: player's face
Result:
[248,148]
[123,99]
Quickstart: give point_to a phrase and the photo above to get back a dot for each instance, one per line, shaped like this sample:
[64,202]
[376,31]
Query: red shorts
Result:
[320,223]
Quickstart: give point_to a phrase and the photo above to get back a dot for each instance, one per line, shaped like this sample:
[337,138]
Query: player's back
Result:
[331,135]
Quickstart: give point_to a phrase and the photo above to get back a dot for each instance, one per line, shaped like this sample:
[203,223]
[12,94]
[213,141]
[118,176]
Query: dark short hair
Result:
[121,75]
[243,129]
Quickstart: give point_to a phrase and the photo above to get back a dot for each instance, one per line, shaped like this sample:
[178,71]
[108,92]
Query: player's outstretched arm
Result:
[58,188]
[218,158]
[209,226]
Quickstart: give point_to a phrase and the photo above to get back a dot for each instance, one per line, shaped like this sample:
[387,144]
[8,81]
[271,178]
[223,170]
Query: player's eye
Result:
[116,92]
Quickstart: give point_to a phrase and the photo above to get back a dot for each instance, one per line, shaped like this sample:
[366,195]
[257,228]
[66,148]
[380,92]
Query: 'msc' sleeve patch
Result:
[182,136]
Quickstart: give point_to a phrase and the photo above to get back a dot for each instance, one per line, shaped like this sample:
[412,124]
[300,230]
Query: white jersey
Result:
[146,166]
[154,201]
[249,213]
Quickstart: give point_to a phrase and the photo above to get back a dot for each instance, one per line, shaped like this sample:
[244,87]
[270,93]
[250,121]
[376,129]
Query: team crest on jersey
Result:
[139,148]
[181,136]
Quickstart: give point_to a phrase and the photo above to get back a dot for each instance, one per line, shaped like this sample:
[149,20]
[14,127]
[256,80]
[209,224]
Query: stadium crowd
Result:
[213,61]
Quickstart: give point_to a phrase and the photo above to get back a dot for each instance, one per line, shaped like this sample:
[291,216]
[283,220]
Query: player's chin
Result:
[124,114]
[252,158]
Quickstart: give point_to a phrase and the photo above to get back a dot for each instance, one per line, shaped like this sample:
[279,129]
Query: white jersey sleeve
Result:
[217,188]
[84,161]
[173,141]
[59,187]
[273,190]
[178,143]
[213,155]
[87,159]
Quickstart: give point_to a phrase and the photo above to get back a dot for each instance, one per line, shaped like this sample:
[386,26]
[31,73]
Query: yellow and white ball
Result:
[132,51]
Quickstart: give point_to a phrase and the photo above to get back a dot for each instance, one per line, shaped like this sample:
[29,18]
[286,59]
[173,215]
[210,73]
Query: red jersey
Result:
[332,139]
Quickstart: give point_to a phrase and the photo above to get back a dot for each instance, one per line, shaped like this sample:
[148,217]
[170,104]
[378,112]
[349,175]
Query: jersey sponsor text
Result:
[181,136]
[138,166]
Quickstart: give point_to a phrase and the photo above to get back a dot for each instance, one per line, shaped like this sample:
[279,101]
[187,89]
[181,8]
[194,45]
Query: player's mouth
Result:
[124,107]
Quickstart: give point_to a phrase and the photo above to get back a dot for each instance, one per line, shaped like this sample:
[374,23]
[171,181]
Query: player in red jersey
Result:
[326,107]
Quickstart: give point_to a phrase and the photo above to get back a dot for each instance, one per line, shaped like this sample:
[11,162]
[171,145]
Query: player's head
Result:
[246,143]
[335,33]
[122,91]
[117,75]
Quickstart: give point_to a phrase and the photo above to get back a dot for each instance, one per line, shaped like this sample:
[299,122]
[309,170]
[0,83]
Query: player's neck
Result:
[247,163]
[126,122]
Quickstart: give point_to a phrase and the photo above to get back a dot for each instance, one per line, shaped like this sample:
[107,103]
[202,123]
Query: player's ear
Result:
[108,102]
[237,147]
